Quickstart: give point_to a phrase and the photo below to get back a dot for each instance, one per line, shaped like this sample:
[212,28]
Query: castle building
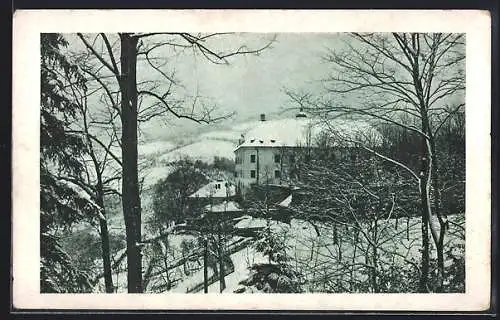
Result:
[267,153]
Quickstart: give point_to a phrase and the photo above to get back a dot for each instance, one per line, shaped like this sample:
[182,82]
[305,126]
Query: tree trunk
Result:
[205,266]
[335,239]
[440,261]
[184,265]
[408,228]
[424,275]
[339,245]
[356,238]
[130,183]
[270,257]
[106,260]
[165,261]
[99,198]
[375,257]
[432,180]
[222,280]
[104,233]
[426,208]
[436,207]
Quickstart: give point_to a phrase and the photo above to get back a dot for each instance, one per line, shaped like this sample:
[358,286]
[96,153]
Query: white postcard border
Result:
[28,24]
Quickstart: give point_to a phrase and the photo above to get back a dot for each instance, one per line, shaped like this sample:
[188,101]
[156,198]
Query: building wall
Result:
[266,168]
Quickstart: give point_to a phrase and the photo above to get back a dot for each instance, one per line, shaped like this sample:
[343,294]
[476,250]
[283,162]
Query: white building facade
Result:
[267,153]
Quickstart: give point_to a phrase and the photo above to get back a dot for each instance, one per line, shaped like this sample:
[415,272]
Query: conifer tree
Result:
[61,203]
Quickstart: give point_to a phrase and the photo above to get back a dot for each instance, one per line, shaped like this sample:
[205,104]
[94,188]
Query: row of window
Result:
[291,157]
[217,185]
[253,159]
[277,158]
[253,174]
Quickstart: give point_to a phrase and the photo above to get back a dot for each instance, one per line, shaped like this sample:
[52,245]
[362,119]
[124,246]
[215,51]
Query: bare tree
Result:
[351,204]
[414,81]
[140,99]
[102,170]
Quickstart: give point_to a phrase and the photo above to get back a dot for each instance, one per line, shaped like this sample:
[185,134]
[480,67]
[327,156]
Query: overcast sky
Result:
[250,84]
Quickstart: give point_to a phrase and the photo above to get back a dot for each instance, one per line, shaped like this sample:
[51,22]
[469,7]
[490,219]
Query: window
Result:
[343,155]
[252,158]
[252,173]
[292,158]
[277,174]
[236,174]
[217,186]
[353,157]
[277,158]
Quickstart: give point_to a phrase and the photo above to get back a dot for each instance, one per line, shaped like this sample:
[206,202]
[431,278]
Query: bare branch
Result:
[94,138]
[399,164]
[203,119]
[110,53]
[97,55]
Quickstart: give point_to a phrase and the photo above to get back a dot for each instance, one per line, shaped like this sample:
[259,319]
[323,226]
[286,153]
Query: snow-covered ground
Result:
[245,126]
[227,135]
[154,148]
[242,260]
[315,255]
[312,254]
[154,174]
[204,150]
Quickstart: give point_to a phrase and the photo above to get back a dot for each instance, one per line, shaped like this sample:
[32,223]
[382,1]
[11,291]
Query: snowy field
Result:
[226,135]
[324,263]
[154,174]
[242,260]
[154,148]
[204,150]
[324,254]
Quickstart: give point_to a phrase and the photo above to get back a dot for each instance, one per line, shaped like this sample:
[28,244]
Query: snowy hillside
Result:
[154,148]
[225,135]
[316,255]
[154,174]
[204,150]
[222,141]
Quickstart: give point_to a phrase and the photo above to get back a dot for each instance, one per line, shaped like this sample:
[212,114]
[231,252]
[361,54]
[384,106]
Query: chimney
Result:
[262,117]
[301,114]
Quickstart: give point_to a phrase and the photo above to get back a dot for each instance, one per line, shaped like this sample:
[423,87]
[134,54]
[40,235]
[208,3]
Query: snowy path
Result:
[242,260]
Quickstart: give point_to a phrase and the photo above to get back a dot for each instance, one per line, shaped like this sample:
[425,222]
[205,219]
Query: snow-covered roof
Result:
[286,202]
[303,131]
[258,223]
[215,189]
[250,223]
[224,207]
